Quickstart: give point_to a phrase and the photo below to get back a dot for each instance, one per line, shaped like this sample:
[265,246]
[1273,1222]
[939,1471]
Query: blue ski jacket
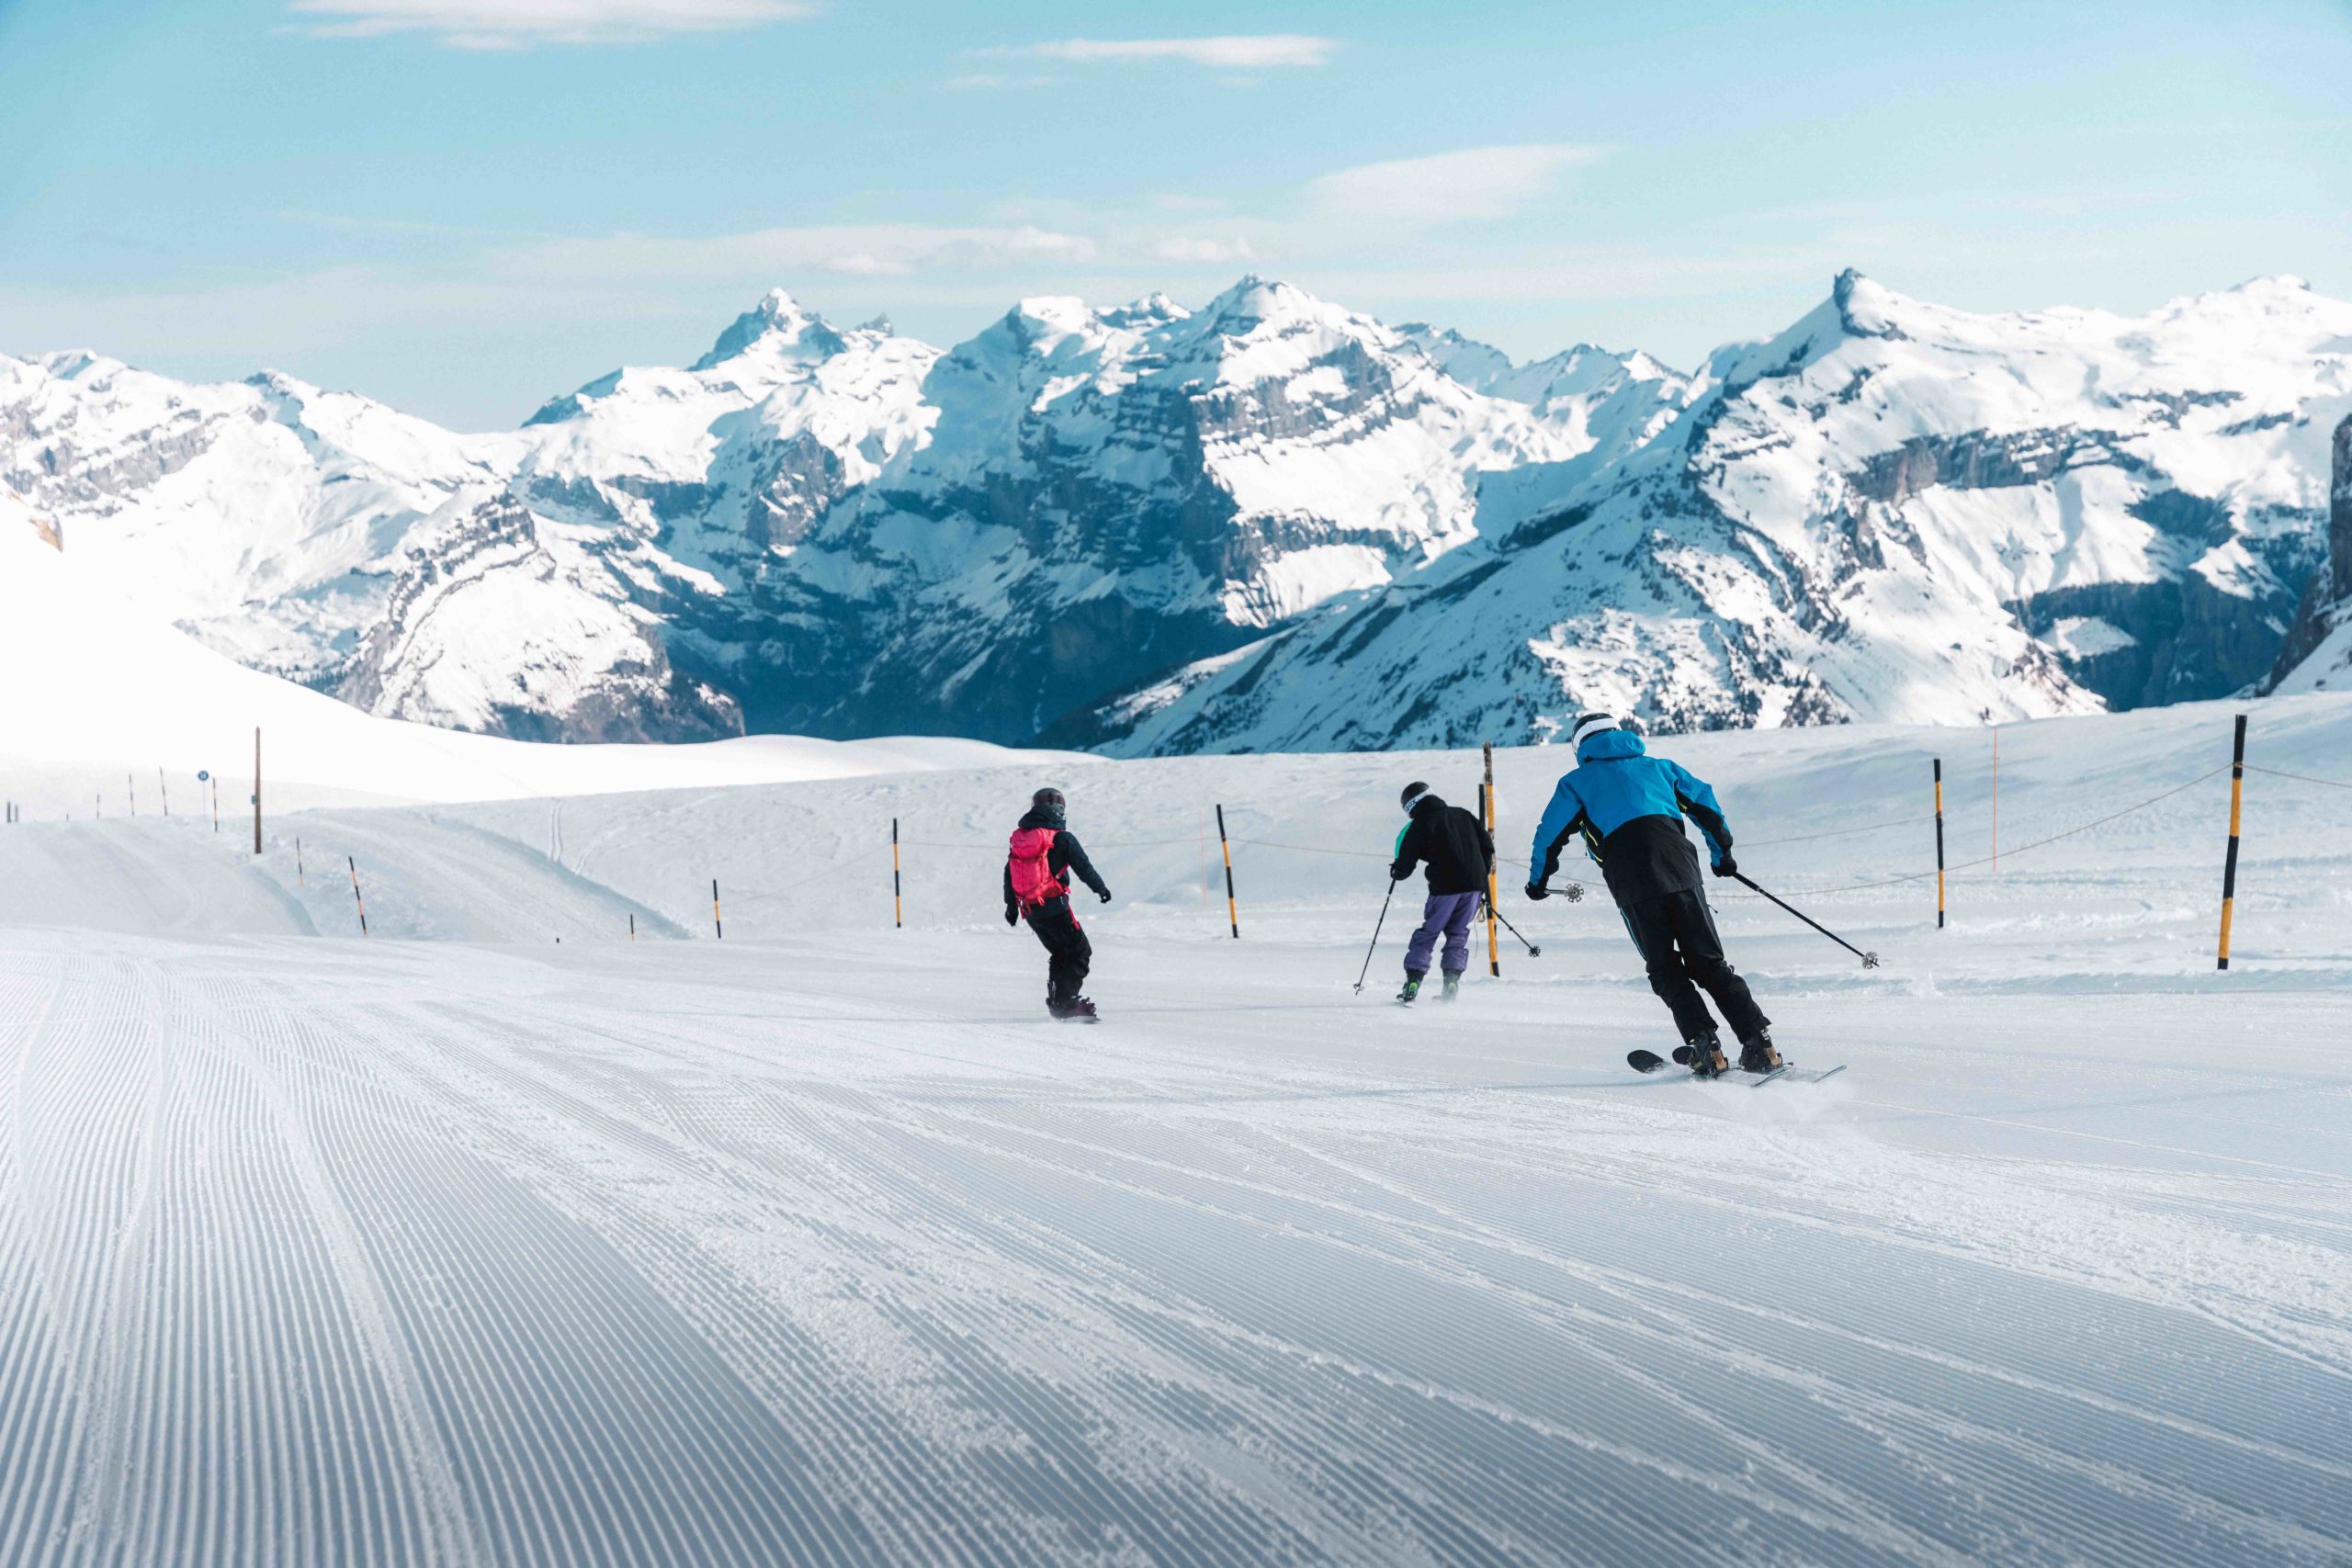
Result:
[1629,807]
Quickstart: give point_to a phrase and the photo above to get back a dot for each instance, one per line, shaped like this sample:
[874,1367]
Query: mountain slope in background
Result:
[1271,522]
[2318,653]
[1892,511]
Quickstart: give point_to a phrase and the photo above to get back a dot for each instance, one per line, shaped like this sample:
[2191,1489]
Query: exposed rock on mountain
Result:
[2318,655]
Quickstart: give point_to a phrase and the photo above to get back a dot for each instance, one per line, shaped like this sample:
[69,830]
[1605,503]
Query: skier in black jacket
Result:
[1043,855]
[1460,854]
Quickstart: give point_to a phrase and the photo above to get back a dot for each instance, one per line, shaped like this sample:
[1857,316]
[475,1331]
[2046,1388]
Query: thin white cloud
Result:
[1187,250]
[1259,51]
[521,23]
[854,250]
[1478,182]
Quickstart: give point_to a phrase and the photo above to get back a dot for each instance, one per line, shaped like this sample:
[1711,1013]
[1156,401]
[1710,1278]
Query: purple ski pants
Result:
[1449,913]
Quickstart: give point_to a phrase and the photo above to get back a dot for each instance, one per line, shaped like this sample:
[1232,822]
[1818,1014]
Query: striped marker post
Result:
[1487,810]
[898,893]
[1232,908]
[717,926]
[300,880]
[354,894]
[2230,866]
[1940,843]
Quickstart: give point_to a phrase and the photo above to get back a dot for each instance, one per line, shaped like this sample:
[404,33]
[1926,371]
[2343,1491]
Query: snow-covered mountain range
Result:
[1268,523]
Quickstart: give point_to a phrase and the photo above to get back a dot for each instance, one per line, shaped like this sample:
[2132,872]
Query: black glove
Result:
[1105,895]
[1726,865]
[1398,871]
[1538,891]
[1013,914]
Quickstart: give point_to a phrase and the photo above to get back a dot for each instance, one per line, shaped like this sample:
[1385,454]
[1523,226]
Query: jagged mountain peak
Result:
[1253,301]
[77,364]
[778,325]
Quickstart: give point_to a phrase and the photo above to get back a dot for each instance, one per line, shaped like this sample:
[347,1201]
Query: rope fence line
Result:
[1838,832]
[832,870]
[2017,849]
[830,867]
[2299,778]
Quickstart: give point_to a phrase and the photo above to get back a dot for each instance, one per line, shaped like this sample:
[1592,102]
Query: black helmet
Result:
[1049,800]
[1411,797]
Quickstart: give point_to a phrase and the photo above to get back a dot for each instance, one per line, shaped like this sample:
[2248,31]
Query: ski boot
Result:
[1412,988]
[1073,1010]
[1706,1058]
[1452,985]
[1758,1054]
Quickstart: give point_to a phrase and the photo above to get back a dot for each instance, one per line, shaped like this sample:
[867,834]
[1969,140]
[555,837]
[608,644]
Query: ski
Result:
[1795,1074]
[1651,1062]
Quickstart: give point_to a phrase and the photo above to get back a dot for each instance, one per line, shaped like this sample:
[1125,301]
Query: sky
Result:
[465,207]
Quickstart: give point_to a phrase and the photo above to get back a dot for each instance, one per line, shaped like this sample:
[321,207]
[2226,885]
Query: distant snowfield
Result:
[820,1244]
[95,695]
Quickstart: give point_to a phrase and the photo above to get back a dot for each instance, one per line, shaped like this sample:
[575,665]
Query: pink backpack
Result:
[1033,881]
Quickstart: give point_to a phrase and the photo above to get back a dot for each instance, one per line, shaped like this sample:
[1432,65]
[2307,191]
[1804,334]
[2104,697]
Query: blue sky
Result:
[466,206]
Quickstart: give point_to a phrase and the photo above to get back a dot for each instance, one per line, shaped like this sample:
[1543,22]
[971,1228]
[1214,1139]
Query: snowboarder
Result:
[1460,854]
[1629,806]
[1036,888]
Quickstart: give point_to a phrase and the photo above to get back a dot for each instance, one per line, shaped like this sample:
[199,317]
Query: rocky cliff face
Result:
[1107,493]
[2317,655]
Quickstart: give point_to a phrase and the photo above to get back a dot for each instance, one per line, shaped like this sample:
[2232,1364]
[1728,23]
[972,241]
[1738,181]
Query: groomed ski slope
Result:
[820,1244]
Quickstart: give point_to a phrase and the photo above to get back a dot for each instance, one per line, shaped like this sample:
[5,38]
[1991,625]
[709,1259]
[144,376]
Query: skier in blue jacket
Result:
[1629,806]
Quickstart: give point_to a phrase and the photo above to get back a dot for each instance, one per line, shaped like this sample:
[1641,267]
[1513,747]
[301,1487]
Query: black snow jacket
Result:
[1456,845]
[1068,855]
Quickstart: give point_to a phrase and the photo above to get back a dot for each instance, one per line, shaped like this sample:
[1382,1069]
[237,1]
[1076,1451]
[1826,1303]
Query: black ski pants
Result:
[1677,936]
[1057,926]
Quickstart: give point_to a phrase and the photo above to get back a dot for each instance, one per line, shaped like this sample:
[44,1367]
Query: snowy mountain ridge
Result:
[1891,509]
[1268,522]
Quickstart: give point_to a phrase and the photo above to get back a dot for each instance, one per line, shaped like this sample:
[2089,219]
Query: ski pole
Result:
[1532,950]
[1375,934]
[1870,960]
[1572,891]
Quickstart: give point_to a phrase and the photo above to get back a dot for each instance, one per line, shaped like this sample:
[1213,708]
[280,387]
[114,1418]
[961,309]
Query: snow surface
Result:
[820,1244]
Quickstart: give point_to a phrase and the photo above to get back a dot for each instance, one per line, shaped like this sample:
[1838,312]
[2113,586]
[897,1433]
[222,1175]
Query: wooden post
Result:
[256,789]
[2230,866]
[898,896]
[1232,908]
[1487,810]
[1940,843]
[1996,799]
[717,925]
[354,894]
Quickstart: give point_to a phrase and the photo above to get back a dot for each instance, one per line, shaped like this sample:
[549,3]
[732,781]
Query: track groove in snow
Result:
[360,1252]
